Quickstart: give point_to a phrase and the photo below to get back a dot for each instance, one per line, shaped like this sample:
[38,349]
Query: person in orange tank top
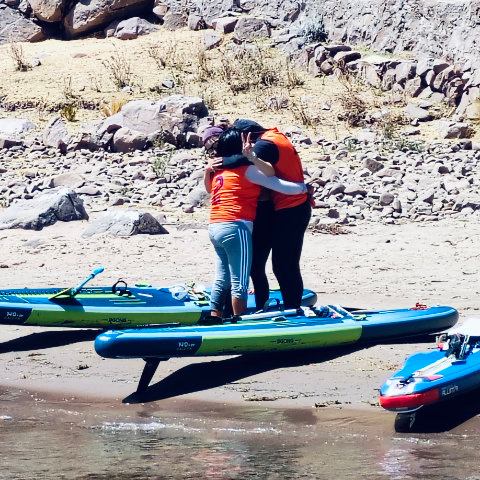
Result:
[234,196]
[281,220]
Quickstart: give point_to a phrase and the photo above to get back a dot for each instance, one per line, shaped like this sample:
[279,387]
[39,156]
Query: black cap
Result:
[248,126]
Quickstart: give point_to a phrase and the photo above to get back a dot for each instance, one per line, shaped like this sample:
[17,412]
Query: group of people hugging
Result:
[259,204]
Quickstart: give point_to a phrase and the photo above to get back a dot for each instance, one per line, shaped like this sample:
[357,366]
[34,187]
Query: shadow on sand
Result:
[50,339]
[215,373]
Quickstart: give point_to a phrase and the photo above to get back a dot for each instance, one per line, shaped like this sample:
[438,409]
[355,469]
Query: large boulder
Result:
[13,25]
[48,10]
[59,204]
[88,15]
[15,127]
[414,112]
[211,10]
[250,29]
[173,116]
[132,28]
[124,223]
[56,134]
[173,20]
[448,129]
[126,140]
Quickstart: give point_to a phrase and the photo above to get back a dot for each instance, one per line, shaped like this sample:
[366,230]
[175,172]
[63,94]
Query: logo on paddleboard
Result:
[449,390]
[186,346]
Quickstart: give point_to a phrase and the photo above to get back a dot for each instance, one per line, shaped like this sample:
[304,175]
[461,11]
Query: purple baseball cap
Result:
[210,132]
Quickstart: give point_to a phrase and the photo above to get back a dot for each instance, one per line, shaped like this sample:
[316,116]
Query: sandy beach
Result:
[371,266]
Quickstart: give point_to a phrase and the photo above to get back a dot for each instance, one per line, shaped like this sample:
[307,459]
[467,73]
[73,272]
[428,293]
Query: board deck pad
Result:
[100,307]
[279,333]
[434,376]
[329,326]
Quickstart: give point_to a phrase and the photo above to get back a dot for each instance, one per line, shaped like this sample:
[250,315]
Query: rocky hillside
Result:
[436,42]
[436,28]
[387,135]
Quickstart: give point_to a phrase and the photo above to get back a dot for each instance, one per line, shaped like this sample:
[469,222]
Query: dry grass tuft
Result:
[17,55]
[107,109]
[304,113]
[69,111]
[119,68]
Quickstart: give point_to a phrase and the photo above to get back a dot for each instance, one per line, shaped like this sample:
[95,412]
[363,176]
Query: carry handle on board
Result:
[71,292]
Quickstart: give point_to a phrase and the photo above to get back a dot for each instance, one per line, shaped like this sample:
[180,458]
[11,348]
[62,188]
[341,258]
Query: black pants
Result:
[282,233]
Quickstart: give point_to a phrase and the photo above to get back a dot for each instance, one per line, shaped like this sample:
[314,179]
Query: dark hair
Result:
[230,143]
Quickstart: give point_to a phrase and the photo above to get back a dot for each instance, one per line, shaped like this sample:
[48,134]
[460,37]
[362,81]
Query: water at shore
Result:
[66,439]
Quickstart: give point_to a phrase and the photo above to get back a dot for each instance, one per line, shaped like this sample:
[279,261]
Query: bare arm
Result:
[265,167]
[274,183]
[207,176]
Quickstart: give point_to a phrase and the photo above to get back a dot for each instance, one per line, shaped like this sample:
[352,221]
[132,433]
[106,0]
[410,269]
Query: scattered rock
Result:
[15,127]
[124,223]
[56,134]
[90,15]
[455,130]
[386,199]
[133,28]
[417,113]
[45,209]
[249,29]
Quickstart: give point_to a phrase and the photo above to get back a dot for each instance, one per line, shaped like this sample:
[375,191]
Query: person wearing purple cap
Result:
[234,196]
[210,138]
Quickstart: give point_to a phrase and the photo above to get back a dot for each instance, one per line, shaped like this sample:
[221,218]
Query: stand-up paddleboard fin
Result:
[151,365]
[71,292]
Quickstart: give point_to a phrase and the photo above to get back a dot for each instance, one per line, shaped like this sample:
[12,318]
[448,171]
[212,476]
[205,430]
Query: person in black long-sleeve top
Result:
[281,221]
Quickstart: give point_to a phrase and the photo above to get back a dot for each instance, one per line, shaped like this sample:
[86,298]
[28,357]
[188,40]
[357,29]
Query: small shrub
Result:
[161,163]
[273,99]
[402,144]
[313,29]
[203,71]
[168,55]
[351,144]
[95,84]
[211,98]
[156,53]
[390,125]
[17,54]
[42,109]
[249,67]
[303,114]
[69,112]
[354,110]
[108,109]
[119,68]
[68,89]
[292,78]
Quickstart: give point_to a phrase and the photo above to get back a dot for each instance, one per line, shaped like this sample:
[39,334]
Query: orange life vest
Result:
[234,197]
[289,167]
